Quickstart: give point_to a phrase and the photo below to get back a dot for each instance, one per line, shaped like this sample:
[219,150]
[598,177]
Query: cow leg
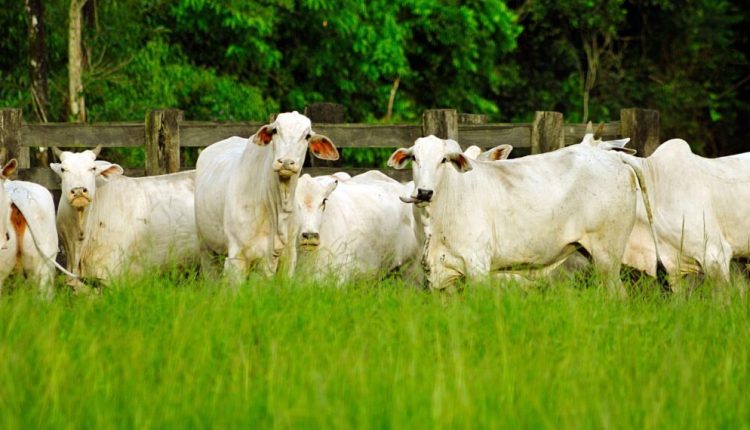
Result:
[716,264]
[236,266]
[438,272]
[478,268]
[607,263]
[43,272]
[208,261]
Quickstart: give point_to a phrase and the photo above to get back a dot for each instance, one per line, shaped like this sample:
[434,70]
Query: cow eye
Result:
[93,169]
[308,136]
[445,160]
[62,169]
[274,131]
[323,205]
[7,236]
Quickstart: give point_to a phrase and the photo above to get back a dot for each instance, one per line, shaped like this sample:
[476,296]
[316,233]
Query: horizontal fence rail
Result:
[164,133]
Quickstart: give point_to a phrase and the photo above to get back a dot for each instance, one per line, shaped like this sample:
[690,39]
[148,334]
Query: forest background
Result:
[232,60]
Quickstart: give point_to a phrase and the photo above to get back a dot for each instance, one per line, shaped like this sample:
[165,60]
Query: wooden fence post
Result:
[330,113]
[10,137]
[163,141]
[442,123]
[547,133]
[642,127]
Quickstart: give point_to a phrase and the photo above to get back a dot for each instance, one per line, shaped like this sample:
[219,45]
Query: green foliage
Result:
[165,353]
[166,79]
[240,60]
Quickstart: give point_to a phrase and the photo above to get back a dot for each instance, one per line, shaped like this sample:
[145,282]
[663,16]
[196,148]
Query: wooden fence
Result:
[164,132]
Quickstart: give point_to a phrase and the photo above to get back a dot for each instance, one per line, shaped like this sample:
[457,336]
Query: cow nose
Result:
[308,235]
[79,190]
[424,195]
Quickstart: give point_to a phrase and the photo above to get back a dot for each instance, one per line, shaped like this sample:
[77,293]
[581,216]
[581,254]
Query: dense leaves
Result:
[241,60]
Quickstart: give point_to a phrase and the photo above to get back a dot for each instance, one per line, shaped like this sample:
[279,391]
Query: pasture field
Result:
[167,352]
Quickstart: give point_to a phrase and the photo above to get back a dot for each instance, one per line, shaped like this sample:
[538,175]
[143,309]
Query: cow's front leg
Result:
[236,265]
[440,274]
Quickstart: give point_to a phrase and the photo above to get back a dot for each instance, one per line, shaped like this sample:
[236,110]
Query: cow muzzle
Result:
[285,167]
[309,240]
[79,197]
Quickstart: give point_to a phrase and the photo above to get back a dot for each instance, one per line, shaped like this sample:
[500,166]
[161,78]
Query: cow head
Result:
[80,173]
[7,170]
[310,197]
[288,137]
[430,157]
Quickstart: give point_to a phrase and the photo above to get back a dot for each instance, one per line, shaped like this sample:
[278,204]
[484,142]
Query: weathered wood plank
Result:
[370,136]
[201,134]
[490,135]
[71,135]
[471,118]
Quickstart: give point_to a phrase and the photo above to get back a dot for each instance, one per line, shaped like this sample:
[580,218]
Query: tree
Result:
[38,63]
[76,99]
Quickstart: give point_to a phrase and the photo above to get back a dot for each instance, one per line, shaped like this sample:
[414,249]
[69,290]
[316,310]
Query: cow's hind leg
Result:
[607,261]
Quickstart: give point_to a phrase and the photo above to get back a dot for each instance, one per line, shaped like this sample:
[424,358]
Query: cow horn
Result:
[409,199]
[589,128]
[599,132]
[57,151]
[97,150]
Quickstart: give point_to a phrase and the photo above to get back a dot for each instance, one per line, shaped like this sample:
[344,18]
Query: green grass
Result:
[158,353]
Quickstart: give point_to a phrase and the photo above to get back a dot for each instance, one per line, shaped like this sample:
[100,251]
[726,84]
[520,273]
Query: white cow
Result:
[245,193]
[28,231]
[421,209]
[113,225]
[525,214]
[354,226]
[699,215]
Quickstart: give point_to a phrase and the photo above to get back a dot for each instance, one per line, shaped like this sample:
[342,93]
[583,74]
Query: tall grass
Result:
[159,352]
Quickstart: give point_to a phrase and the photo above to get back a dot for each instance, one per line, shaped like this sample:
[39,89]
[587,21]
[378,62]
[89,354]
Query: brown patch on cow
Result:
[323,148]
[263,136]
[18,221]
[9,168]
[398,158]
[462,162]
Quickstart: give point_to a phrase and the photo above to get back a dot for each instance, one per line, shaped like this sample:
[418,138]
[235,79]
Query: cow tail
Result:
[631,162]
[46,257]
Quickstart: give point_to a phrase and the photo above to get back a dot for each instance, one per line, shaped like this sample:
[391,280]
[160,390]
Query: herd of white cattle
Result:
[465,215]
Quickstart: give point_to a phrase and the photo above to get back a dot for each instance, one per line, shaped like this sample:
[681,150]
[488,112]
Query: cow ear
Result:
[473,151]
[500,152]
[107,170]
[322,147]
[459,161]
[400,157]
[56,167]
[331,186]
[9,168]
[630,151]
[264,135]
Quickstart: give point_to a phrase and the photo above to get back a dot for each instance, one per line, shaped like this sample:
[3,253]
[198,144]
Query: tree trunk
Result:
[38,64]
[76,102]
